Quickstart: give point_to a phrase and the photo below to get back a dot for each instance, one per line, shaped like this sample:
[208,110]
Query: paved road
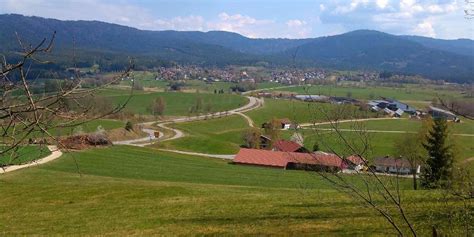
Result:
[381,131]
[55,153]
[347,121]
[141,141]
[269,89]
[252,104]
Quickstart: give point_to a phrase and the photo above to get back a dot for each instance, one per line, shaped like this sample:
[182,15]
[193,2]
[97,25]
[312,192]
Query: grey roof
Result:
[442,111]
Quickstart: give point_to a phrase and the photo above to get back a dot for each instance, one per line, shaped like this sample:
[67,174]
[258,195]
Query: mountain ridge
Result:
[450,60]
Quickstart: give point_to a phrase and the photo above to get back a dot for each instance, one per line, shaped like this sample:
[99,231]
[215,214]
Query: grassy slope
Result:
[136,191]
[177,103]
[382,143]
[218,136]
[88,127]
[24,155]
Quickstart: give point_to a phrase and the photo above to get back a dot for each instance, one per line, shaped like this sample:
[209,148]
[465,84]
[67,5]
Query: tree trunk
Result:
[415,185]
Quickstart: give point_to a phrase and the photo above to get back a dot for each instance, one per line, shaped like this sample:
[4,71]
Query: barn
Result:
[289,160]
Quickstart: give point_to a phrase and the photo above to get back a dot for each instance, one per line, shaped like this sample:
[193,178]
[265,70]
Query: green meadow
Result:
[217,136]
[23,154]
[177,103]
[300,112]
[138,191]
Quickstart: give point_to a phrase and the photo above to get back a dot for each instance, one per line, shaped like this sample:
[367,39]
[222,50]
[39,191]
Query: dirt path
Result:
[55,153]
[468,160]
[249,120]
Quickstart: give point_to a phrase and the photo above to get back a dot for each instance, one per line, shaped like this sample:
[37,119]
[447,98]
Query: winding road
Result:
[309,126]
[150,139]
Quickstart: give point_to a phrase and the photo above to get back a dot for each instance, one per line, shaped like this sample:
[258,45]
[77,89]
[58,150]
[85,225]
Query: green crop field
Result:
[23,154]
[410,92]
[138,191]
[177,103]
[217,136]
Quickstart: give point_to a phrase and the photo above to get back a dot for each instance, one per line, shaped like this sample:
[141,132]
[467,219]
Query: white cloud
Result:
[242,24]
[382,4]
[322,7]
[426,17]
[295,23]
[425,28]
[298,29]
[354,5]
[181,23]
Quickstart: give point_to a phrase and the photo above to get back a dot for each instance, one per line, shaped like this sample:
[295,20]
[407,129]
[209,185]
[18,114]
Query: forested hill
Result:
[111,45]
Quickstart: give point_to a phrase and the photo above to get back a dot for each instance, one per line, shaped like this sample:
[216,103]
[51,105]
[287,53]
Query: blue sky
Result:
[265,18]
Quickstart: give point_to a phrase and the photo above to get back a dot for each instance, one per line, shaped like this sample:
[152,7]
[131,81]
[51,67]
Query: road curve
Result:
[55,153]
[252,104]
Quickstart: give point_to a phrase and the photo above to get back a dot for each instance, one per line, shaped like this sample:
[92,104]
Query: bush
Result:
[129,126]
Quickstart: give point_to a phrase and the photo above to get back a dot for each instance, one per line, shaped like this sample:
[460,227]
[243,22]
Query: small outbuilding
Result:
[438,113]
[288,146]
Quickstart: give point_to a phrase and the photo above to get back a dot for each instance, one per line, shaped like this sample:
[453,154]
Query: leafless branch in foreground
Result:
[27,117]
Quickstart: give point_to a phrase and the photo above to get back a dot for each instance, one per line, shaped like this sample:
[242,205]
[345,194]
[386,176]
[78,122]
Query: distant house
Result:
[391,107]
[342,100]
[289,160]
[265,142]
[356,162]
[312,98]
[288,146]
[441,113]
[394,165]
[265,94]
[284,124]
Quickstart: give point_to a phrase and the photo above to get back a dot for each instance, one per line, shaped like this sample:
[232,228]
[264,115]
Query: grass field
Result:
[137,191]
[24,155]
[410,92]
[177,104]
[217,136]
[91,126]
[301,112]
[465,127]
[147,79]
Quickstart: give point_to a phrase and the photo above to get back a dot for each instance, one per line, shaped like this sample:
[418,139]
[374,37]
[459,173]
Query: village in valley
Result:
[188,133]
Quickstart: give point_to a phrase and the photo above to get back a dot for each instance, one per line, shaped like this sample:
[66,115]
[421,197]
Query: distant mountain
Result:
[459,46]
[110,45]
[366,49]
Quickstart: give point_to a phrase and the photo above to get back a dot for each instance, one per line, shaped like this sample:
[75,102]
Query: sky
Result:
[265,18]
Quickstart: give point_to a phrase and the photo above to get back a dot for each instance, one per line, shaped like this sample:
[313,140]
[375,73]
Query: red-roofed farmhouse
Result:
[289,160]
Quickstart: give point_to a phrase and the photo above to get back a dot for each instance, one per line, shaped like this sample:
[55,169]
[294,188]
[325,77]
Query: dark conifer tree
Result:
[438,169]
